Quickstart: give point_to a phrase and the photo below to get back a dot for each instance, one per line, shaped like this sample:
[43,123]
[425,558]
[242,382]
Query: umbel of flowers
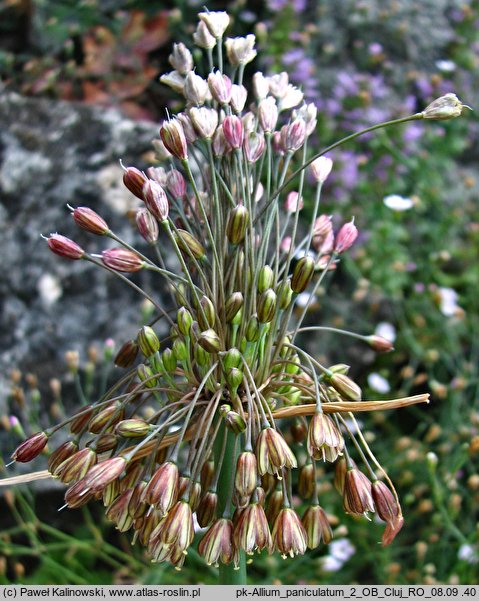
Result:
[227,418]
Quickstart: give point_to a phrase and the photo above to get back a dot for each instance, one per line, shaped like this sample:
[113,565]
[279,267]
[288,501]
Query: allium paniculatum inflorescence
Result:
[227,416]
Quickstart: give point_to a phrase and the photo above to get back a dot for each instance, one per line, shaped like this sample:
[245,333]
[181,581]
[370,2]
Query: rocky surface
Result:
[53,154]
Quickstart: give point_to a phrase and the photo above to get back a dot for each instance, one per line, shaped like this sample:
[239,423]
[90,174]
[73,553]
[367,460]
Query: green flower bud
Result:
[339,368]
[293,397]
[346,387]
[189,244]
[169,360]
[233,306]
[210,341]
[294,366]
[145,373]
[237,318]
[265,280]
[232,358]
[184,321]
[285,349]
[234,377]
[132,428]
[201,356]
[180,350]
[302,274]
[148,341]
[285,294]
[252,329]
[180,295]
[206,314]
[267,306]
[238,220]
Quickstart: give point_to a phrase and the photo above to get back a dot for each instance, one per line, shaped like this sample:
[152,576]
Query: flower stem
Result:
[227,573]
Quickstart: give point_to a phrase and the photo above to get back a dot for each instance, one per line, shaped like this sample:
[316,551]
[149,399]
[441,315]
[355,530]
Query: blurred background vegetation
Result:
[413,277]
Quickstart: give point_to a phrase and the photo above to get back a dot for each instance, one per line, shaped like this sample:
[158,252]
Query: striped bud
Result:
[118,512]
[346,387]
[81,419]
[106,418]
[189,244]
[156,200]
[238,220]
[306,481]
[206,315]
[148,341]
[234,422]
[64,451]
[234,378]
[64,247]
[169,360]
[379,344]
[184,321]
[232,358]
[101,474]
[317,527]
[345,237]
[246,473]
[134,180]
[103,443]
[302,274]
[357,496]
[266,306]
[233,306]
[122,259]
[233,131]
[180,350]
[127,354]
[210,341]
[132,428]
[289,536]
[30,448]
[252,329]
[76,466]
[174,139]
[147,225]
[161,491]
[206,511]
[265,279]
[146,375]
[90,221]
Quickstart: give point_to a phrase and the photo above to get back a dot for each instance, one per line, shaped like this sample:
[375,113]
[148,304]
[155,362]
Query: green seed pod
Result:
[184,321]
[180,295]
[169,360]
[267,306]
[132,428]
[302,274]
[238,220]
[189,244]
[233,305]
[295,365]
[252,329]
[148,341]
[285,294]
[201,356]
[265,280]
[145,373]
[180,350]
[210,341]
[293,397]
[234,377]
[206,314]
[232,358]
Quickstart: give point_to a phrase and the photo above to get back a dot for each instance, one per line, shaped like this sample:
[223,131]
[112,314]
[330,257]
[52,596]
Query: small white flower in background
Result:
[339,551]
[303,299]
[378,383]
[448,301]
[468,553]
[386,330]
[446,66]
[395,202]
[353,425]
[49,289]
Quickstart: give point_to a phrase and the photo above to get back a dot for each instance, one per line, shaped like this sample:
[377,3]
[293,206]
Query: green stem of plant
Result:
[227,573]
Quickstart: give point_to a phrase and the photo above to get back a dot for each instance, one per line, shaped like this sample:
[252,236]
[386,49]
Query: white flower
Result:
[398,203]
[386,330]
[448,301]
[446,66]
[468,553]
[378,383]
[339,551]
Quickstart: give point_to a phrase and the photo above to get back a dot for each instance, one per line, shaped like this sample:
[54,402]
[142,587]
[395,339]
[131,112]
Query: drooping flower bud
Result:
[273,453]
[233,420]
[148,341]
[118,512]
[174,80]
[379,344]
[321,168]
[289,536]
[122,259]
[233,131]
[317,527]
[206,511]
[205,121]
[189,244]
[346,237]
[127,354]
[78,495]
[346,387]
[217,544]
[302,274]
[246,473]
[357,497]
[446,107]
[162,490]
[100,475]
[176,184]
[103,443]
[239,94]
[179,527]
[134,180]
[90,221]
[252,531]
[64,247]
[241,50]
[174,139]
[215,21]
[156,200]
[147,225]
[132,428]
[238,220]
[30,448]
[210,341]
[325,441]
[181,59]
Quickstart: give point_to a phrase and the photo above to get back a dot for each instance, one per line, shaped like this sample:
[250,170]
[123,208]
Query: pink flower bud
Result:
[121,259]
[101,474]
[238,97]
[220,87]
[285,244]
[254,146]
[293,135]
[64,247]
[156,200]
[30,448]
[157,174]
[321,168]
[174,139]
[90,221]
[147,225]
[293,203]
[345,237]
[220,145]
[176,184]
[268,114]
[234,132]
[134,179]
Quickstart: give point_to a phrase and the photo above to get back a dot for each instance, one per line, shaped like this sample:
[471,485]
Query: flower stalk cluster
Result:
[228,396]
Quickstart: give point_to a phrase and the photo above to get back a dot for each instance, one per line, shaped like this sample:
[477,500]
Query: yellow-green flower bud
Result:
[233,306]
[293,397]
[206,315]
[293,367]
[346,387]
[184,321]
[169,360]
[189,244]
[210,341]
[232,358]
[234,377]
[285,294]
[238,220]
[339,368]
[201,356]
[132,428]
[252,329]
[180,350]
[302,274]
[267,306]
[145,374]
[265,280]
[148,341]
